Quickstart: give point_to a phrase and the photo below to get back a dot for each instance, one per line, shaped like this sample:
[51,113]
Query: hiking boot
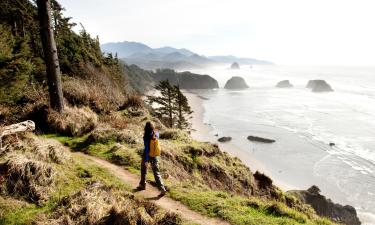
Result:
[141,188]
[162,193]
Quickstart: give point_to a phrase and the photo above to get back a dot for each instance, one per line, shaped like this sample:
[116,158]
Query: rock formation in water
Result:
[319,86]
[284,84]
[236,83]
[260,139]
[224,139]
[325,207]
[186,80]
[235,66]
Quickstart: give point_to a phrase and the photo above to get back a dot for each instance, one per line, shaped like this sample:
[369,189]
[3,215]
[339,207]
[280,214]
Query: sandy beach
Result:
[203,131]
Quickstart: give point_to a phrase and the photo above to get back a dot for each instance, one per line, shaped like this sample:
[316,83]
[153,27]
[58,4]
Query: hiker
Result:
[150,134]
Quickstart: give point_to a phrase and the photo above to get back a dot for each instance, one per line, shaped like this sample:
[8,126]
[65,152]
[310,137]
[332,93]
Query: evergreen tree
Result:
[166,100]
[183,110]
[173,107]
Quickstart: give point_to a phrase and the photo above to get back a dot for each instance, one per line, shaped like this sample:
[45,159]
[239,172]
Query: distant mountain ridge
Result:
[169,57]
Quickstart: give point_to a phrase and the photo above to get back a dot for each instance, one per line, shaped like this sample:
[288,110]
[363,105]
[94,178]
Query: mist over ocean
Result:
[304,123]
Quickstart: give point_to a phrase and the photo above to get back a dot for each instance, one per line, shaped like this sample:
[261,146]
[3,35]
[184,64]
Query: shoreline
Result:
[205,132]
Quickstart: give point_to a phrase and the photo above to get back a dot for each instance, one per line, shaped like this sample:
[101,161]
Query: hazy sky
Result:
[321,32]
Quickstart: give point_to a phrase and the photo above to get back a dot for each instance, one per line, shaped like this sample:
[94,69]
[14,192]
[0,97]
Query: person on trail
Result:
[150,134]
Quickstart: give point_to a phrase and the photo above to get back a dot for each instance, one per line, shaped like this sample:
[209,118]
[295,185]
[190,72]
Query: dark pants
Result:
[155,169]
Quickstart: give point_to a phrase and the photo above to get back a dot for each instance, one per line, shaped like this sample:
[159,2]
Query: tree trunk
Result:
[180,116]
[50,56]
[170,108]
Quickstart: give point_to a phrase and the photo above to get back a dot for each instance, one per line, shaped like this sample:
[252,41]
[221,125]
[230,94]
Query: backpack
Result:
[155,149]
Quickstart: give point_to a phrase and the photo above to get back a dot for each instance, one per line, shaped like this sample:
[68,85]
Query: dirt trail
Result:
[151,194]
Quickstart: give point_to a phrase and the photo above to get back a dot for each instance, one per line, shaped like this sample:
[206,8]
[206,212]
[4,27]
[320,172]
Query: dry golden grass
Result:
[49,150]
[27,177]
[100,204]
[73,121]
[115,120]
[4,113]
[133,101]
[96,93]
[26,167]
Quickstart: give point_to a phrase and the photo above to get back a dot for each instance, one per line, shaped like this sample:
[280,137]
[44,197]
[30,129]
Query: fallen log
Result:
[27,125]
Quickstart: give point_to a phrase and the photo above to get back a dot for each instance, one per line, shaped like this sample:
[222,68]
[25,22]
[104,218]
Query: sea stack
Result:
[319,86]
[284,84]
[235,66]
[236,83]
[224,139]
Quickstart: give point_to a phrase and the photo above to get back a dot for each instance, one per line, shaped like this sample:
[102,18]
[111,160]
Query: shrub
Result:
[73,121]
[105,135]
[174,134]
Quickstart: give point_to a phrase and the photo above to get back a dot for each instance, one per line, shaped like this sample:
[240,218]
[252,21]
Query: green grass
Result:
[240,210]
[75,143]
[23,215]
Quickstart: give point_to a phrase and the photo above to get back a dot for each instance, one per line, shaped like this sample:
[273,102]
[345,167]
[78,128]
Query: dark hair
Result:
[149,130]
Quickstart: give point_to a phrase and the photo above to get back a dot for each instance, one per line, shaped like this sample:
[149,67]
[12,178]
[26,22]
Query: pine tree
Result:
[183,110]
[165,111]
[173,107]
[50,55]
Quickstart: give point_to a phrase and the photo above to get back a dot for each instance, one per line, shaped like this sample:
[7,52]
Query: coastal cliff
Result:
[185,80]
[325,207]
[51,177]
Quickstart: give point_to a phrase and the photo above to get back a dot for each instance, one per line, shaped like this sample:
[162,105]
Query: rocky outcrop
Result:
[319,86]
[236,83]
[235,66]
[224,139]
[284,84]
[186,80]
[325,207]
[260,139]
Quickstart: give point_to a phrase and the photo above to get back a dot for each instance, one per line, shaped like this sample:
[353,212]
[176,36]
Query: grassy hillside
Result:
[199,175]
[42,182]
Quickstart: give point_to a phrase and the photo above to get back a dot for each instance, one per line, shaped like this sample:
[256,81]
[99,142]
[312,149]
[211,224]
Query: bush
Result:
[174,134]
[105,135]
[73,121]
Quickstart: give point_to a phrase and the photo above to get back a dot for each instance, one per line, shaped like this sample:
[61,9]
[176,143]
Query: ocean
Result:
[303,124]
